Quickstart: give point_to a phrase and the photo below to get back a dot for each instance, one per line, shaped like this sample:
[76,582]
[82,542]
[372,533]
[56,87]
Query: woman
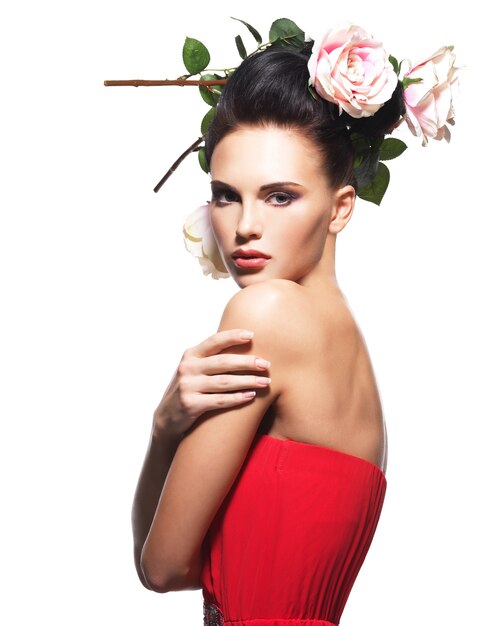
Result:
[269,500]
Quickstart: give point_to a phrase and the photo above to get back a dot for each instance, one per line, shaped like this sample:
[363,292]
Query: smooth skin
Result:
[322,388]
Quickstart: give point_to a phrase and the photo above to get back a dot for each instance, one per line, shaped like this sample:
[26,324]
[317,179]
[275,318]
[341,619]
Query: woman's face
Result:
[270,195]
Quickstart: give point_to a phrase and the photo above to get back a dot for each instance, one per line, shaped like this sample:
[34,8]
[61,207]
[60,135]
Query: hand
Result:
[200,384]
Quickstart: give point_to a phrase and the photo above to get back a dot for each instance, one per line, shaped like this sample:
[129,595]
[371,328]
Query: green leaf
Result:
[252,30]
[407,81]
[358,159]
[206,121]
[366,152]
[240,46]
[361,143]
[366,167]
[210,93]
[202,159]
[374,192]
[285,33]
[313,92]
[391,148]
[394,63]
[195,55]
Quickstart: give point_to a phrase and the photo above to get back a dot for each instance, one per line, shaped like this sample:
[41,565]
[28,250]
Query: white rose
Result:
[200,242]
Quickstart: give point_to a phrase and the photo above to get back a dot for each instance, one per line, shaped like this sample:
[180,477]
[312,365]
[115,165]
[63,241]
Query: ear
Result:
[343,207]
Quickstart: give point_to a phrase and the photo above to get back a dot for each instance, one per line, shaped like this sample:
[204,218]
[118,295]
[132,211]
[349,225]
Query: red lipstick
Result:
[249,253]
[250,258]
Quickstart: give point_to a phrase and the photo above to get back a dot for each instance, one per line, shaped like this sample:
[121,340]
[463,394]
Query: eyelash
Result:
[215,197]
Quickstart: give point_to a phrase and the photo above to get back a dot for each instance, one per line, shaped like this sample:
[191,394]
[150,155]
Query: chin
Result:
[243,280]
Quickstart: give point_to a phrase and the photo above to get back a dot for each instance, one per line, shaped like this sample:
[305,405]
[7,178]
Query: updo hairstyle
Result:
[270,87]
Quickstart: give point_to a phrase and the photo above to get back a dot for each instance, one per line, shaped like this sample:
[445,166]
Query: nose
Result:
[250,222]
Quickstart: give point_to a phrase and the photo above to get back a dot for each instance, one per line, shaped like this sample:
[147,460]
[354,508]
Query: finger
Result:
[219,341]
[225,382]
[210,402]
[222,363]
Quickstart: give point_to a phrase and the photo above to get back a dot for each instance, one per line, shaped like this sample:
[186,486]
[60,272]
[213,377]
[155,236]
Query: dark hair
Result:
[271,87]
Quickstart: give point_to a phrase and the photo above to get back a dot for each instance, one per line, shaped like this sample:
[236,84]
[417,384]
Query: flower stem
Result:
[183,156]
[161,83]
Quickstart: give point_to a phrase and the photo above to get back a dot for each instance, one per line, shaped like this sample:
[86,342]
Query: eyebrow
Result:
[219,183]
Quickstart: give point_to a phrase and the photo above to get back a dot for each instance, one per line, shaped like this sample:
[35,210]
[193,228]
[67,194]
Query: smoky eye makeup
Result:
[220,189]
[218,192]
[288,196]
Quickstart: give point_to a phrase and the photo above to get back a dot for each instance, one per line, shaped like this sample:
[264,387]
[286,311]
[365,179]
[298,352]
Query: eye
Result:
[222,197]
[285,197]
[216,197]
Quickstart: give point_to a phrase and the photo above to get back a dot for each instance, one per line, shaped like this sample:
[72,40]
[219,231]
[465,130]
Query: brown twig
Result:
[181,82]
[178,161]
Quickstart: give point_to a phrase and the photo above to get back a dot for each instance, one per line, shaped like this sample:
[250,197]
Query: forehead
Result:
[258,153]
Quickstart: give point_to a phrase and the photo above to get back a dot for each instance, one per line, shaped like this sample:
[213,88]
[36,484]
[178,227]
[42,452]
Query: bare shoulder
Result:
[270,302]
[272,309]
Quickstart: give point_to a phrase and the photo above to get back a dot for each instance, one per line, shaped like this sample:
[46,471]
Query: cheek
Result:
[308,234]
[217,225]
[221,229]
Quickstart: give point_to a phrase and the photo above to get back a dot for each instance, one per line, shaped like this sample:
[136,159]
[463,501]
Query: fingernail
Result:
[262,380]
[246,334]
[249,394]
[262,363]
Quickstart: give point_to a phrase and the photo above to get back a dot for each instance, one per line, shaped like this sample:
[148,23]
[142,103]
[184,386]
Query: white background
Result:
[99,299]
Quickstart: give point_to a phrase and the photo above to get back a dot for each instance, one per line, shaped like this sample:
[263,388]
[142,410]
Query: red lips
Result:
[250,253]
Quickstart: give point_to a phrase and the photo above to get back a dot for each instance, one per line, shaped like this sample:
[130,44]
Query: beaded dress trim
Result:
[212,616]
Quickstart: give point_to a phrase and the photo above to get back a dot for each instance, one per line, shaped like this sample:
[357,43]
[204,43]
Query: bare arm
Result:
[209,457]
[159,455]
[190,394]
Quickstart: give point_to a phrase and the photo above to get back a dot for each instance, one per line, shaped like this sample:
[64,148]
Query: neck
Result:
[324,274]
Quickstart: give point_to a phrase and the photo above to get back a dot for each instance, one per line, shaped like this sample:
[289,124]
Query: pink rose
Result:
[200,242]
[352,69]
[429,102]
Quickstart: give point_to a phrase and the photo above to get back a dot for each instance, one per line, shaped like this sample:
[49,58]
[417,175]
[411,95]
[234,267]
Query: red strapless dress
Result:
[288,541]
